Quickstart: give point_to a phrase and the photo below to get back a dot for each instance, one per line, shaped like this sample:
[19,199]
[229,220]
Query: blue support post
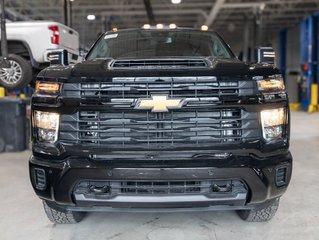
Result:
[315,59]
[306,41]
[310,59]
[309,40]
[26,91]
[316,47]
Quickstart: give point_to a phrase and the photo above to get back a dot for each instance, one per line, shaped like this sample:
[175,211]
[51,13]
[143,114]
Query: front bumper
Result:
[259,178]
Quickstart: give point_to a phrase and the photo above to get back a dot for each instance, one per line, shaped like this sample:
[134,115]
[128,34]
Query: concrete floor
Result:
[22,217]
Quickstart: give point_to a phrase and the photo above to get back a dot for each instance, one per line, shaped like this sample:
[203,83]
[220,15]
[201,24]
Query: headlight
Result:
[272,84]
[46,125]
[273,123]
[47,87]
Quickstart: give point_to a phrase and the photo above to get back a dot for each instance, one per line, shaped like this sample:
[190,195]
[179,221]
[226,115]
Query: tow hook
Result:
[101,190]
[222,188]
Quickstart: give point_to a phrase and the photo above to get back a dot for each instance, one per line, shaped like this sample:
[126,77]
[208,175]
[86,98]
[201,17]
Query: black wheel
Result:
[262,214]
[61,216]
[18,75]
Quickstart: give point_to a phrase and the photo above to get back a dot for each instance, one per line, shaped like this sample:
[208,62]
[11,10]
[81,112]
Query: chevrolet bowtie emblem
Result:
[159,104]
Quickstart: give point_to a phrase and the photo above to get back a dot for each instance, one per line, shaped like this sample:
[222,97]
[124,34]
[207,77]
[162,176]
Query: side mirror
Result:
[266,55]
[83,52]
[58,57]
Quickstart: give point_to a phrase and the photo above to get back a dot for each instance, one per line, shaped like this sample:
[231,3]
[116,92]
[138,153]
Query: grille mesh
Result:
[121,92]
[162,187]
[156,129]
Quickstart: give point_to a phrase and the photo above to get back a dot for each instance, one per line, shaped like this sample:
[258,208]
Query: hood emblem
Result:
[159,104]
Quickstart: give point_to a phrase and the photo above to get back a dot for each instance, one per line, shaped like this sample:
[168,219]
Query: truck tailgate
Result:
[69,39]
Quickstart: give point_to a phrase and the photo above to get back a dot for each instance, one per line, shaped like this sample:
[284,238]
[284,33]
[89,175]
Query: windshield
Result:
[149,44]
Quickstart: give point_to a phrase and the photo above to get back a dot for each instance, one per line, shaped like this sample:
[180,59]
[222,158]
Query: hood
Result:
[106,68]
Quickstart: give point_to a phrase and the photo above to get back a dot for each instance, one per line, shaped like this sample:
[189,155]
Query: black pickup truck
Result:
[160,120]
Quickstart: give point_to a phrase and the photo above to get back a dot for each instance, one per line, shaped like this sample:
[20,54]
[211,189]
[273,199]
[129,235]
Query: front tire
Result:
[18,75]
[60,216]
[262,214]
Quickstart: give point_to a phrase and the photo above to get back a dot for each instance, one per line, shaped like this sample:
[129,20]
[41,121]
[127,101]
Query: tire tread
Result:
[260,215]
[61,217]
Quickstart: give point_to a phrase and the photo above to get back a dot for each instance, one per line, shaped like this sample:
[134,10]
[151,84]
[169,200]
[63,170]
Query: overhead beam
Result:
[43,5]
[258,4]
[214,12]
[149,12]
[157,12]
[131,7]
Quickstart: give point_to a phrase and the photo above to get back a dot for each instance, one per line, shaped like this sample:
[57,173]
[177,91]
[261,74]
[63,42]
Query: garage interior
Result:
[291,27]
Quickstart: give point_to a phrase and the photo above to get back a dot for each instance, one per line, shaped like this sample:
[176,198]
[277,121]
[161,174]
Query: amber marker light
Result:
[46,87]
[271,84]
[204,28]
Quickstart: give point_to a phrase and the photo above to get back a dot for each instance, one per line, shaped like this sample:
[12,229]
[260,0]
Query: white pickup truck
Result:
[28,46]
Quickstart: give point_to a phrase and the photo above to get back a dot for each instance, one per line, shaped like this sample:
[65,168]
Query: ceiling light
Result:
[90,17]
[172,26]
[146,26]
[176,1]
[159,26]
[204,28]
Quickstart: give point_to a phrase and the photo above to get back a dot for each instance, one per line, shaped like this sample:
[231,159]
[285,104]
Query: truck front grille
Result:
[108,117]
[144,129]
